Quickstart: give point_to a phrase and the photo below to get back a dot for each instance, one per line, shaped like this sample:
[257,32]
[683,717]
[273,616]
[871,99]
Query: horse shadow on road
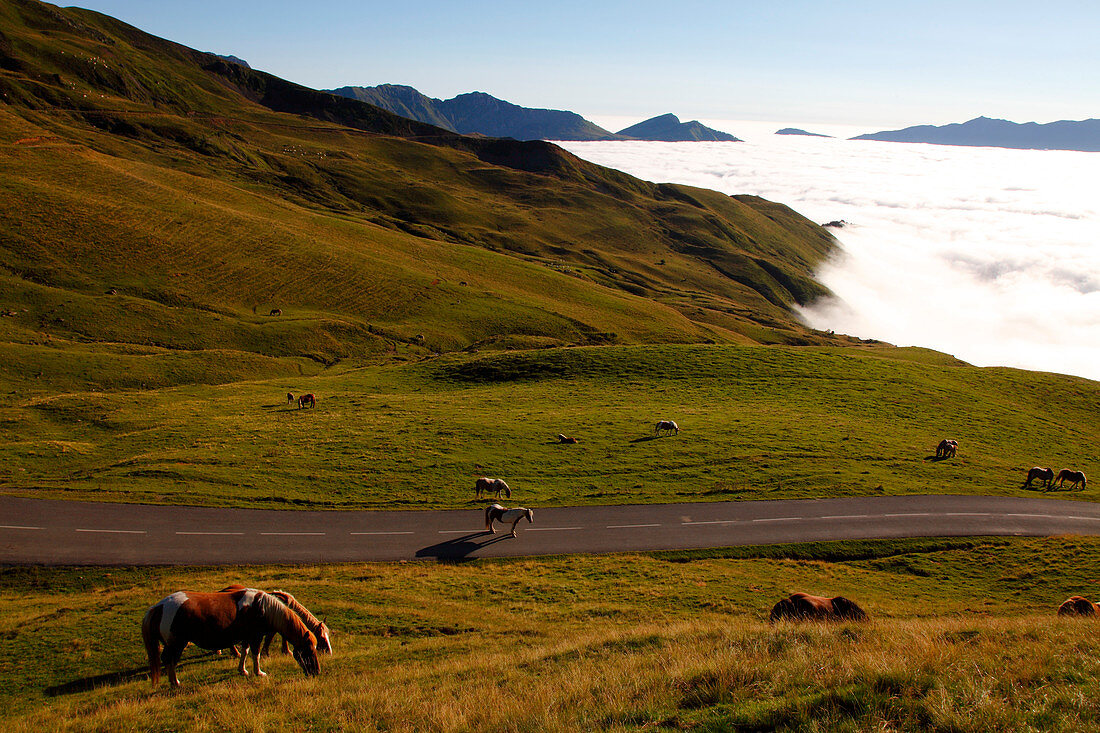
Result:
[461,548]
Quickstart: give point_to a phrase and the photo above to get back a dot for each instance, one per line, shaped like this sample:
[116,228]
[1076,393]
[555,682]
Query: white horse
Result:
[492,484]
[497,513]
[668,426]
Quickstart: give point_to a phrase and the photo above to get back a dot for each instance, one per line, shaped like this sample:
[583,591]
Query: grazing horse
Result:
[219,620]
[497,513]
[275,312]
[947,448]
[1045,475]
[1078,606]
[492,484]
[804,607]
[566,439]
[307,400]
[318,628]
[668,426]
[1077,478]
[289,398]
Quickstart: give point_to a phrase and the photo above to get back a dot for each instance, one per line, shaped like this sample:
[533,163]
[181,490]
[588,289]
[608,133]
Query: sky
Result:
[880,65]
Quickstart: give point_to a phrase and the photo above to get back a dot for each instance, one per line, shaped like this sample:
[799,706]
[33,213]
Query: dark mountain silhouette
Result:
[796,131]
[478,113]
[985,132]
[668,128]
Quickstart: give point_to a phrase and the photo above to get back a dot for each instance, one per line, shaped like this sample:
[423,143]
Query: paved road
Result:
[77,533]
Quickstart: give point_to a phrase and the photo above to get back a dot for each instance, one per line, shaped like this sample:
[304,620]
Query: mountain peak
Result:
[668,128]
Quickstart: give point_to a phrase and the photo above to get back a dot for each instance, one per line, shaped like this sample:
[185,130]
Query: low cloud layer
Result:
[988,254]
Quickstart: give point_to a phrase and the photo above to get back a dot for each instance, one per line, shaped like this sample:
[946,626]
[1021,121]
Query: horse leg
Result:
[171,657]
[514,525]
[255,647]
[286,646]
[240,664]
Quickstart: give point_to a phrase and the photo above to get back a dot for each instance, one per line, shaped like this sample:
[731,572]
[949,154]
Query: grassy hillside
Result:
[963,638]
[153,197]
[756,423]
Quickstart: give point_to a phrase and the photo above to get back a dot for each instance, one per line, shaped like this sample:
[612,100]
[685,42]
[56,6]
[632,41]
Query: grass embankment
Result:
[756,423]
[964,638]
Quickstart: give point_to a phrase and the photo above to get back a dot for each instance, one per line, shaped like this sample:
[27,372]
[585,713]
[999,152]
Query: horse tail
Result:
[150,634]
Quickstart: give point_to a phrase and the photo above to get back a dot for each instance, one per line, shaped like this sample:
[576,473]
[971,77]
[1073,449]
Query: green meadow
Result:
[756,423]
[963,637]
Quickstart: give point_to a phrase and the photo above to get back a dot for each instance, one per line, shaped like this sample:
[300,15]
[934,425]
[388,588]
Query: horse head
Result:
[531,516]
[305,654]
[324,642]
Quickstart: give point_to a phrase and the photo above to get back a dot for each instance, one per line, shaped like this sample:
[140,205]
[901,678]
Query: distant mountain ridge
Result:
[1082,135]
[798,131]
[478,113]
[668,128]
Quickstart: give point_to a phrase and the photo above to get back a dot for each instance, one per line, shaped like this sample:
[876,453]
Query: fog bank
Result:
[988,254]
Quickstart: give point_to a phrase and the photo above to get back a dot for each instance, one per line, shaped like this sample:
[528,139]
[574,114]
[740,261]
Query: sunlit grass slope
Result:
[153,197]
[963,637]
[756,423]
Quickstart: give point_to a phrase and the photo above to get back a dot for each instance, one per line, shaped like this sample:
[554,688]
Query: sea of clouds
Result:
[988,254]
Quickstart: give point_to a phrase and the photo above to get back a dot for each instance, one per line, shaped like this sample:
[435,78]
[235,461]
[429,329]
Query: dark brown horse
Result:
[219,620]
[318,628]
[289,398]
[804,607]
[1078,606]
[1077,478]
[1045,475]
[947,448]
[307,400]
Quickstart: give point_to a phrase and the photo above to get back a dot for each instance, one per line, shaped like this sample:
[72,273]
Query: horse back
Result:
[218,620]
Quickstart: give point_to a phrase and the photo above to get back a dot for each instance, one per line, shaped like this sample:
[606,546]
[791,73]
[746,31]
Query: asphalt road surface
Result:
[78,533]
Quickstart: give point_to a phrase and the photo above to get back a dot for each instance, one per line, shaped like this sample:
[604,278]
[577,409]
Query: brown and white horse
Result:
[804,607]
[290,398]
[219,620]
[497,513]
[318,628]
[1077,478]
[1046,475]
[492,484]
[307,400]
[1078,606]
[666,426]
[947,448]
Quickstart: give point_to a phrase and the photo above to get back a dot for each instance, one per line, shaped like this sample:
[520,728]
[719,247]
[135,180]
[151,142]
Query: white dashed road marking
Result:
[780,519]
[630,526]
[215,534]
[373,533]
[846,516]
[548,529]
[15,526]
[292,534]
[114,531]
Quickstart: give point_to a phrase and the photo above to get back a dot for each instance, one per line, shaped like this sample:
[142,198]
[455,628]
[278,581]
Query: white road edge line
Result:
[630,526]
[713,521]
[114,531]
[909,514]
[967,514]
[16,526]
[1041,516]
[780,519]
[845,516]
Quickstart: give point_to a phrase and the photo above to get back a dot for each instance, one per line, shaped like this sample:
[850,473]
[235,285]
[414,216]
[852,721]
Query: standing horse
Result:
[1078,606]
[497,513]
[1045,475]
[318,628]
[492,484]
[668,426]
[219,620]
[1077,478]
[307,400]
[804,607]
[289,398]
[947,448]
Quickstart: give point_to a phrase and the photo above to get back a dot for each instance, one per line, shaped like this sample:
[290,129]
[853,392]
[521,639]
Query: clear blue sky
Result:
[882,63]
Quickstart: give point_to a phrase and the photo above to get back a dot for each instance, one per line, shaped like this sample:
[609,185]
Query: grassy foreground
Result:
[963,639]
[757,423]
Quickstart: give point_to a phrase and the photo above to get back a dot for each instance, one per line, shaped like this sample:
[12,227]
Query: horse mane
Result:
[283,620]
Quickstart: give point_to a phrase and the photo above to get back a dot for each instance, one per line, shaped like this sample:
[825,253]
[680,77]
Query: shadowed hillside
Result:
[157,203]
